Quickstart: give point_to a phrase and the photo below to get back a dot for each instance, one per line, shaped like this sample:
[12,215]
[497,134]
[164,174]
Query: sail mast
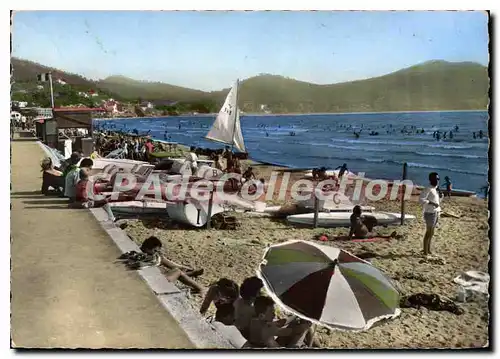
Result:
[235,112]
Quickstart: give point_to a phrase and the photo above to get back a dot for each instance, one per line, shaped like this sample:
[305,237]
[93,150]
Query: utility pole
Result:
[51,90]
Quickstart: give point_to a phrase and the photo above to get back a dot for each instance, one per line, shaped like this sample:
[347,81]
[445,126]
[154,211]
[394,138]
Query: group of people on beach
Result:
[253,314]
[133,147]
[71,181]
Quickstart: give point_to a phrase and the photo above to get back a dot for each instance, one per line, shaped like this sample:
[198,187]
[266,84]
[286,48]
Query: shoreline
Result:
[291,169]
[258,114]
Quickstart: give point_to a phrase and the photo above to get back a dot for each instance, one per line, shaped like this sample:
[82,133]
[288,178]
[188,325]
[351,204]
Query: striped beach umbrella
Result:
[327,285]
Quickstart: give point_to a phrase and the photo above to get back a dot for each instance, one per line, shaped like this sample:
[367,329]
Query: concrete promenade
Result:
[66,290]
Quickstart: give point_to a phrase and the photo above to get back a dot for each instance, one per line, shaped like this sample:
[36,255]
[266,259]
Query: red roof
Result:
[78,109]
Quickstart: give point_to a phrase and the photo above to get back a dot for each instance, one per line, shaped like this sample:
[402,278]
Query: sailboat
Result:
[227,127]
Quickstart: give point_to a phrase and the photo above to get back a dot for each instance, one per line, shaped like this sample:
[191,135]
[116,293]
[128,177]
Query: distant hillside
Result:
[24,76]
[133,89]
[436,85]
[433,85]
[26,71]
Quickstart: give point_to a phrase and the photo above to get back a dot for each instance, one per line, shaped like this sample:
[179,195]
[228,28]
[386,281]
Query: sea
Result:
[316,140]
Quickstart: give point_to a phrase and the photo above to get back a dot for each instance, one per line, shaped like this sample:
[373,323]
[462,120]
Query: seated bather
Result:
[85,196]
[223,294]
[244,309]
[51,177]
[361,227]
[265,332]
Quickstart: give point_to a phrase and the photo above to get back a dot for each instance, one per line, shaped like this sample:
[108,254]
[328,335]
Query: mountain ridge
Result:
[432,85]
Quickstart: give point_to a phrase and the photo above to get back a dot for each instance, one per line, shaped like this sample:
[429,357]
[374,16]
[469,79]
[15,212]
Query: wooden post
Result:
[316,210]
[405,168]
[209,214]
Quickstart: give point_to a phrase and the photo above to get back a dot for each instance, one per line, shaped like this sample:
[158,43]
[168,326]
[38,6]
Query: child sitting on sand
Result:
[264,332]
[222,293]
[244,306]
[361,228]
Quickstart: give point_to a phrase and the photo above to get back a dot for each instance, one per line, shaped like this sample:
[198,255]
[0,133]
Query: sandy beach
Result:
[463,243]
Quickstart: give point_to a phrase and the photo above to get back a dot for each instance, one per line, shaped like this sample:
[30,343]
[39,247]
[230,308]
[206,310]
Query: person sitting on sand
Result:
[85,197]
[243,307]
[264,332]
[71,163]
[51,177]
[222,292]
[430,201]
[359,229]
[71,177]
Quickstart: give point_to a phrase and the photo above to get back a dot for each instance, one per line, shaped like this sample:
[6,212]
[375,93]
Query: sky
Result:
[209,50]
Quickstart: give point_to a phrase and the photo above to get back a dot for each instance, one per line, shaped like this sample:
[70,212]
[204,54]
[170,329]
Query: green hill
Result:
[436,85]
[24,86]
[133,89]
[433,85]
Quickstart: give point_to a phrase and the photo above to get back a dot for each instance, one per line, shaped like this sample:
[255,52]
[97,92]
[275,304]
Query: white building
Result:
[61,82]
[83,94]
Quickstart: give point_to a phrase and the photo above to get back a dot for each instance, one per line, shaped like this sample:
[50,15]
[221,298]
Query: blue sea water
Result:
[325,140]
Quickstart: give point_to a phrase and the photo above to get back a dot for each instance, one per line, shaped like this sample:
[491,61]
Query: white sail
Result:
[238,135]
[227,128]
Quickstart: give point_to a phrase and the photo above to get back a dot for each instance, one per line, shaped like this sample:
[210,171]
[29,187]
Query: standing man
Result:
[430,201]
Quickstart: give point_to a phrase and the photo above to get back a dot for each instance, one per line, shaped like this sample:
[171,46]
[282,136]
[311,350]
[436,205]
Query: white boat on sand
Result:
[342,219]
[138,207]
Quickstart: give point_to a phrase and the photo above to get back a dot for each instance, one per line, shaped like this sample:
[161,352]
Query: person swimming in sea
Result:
[473,135]
[451,135]
[481,134]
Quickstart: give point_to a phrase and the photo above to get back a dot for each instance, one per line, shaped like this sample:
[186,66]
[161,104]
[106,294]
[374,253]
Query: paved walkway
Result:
[66,291]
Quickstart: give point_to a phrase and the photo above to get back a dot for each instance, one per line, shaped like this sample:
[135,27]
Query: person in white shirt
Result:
[430,202]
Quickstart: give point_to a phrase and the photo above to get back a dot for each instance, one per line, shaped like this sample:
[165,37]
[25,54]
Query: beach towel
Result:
[473,286]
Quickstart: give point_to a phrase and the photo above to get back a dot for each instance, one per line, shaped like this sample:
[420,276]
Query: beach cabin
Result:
[69,118]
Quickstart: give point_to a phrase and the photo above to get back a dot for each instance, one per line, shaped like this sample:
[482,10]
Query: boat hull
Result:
[342,219]
[138,207]
[193,214]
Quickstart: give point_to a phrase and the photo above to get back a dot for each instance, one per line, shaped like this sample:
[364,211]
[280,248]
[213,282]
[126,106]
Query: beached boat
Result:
[138,207]
[194,213]
[342,219]
[462,193]
[330,173]
[330,202]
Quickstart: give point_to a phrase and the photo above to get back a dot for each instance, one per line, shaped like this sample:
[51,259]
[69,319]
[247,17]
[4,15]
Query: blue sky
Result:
[208,50]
